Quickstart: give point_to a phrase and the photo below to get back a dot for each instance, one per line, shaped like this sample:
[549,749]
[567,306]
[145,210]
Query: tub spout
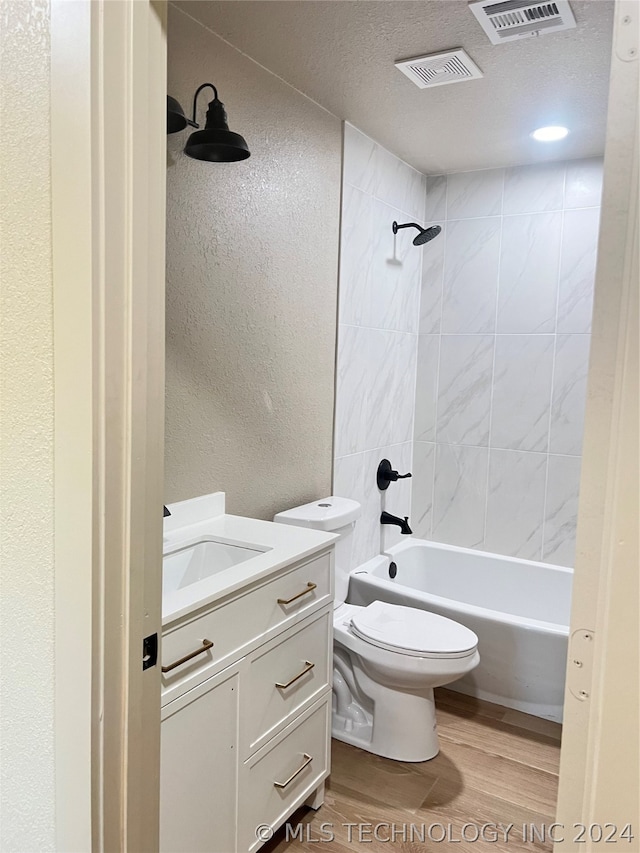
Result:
[403,523]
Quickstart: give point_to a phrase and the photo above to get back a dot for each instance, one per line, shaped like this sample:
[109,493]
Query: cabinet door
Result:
[198,768]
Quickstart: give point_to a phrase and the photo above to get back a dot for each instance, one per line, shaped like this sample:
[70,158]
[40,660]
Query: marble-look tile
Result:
[515,504]
[578,269]
[529,263]
[471,276]
[356,255]
[473,194]
[397,498]
[352,473]
[460,495]
[396,184]
[432,277]
[426,388]
[583,185]
[360,154]
[353,369]
[424,457]
[436,205]
[417,195]
[563,486]
[464,389]
[569,394]
[522,392]
[531,189]
[394,293]
[392,382]
[347,476]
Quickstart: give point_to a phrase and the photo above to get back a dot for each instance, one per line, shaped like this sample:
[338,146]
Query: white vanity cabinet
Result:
[245,735]
[199,774]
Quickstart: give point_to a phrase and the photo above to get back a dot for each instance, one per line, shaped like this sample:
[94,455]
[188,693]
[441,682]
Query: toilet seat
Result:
[409,631]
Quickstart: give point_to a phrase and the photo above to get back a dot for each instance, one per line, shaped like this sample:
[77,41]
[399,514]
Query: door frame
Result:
[108,64]
[108,122]
[599,766]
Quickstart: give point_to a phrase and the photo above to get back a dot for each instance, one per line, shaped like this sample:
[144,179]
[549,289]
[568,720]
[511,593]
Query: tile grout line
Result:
[437,389]
[553,373]
[417,362]
[493,367]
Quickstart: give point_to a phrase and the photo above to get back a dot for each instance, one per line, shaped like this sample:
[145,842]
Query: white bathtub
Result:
[519,610]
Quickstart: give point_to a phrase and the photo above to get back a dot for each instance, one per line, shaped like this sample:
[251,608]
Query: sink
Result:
[200,560]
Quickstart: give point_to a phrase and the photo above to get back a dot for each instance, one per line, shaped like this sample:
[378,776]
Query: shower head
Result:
[425,234]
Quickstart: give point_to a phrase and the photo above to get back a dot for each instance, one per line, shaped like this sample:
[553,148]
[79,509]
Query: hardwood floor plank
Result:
[448,803]
[396,783]
[508,780]
[453,700]
[533,724]
[499,738]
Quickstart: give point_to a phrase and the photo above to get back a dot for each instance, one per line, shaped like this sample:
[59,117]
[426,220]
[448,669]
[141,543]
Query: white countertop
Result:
[283,544]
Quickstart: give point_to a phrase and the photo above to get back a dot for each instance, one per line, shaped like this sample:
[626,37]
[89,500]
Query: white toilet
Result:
[387,658]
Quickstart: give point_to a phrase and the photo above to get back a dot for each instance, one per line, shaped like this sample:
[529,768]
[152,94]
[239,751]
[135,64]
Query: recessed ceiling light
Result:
[549,134]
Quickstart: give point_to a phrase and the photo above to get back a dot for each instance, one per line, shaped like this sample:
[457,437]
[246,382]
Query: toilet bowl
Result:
[387,658]
[389,708]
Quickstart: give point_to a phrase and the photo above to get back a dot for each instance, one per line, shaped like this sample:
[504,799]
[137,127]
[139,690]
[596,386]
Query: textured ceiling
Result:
[341,53]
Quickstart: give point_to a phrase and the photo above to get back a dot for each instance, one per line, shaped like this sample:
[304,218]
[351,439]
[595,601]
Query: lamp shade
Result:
[176,119]
[216,143]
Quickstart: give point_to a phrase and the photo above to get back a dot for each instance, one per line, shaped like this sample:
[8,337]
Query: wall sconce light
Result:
[216,143]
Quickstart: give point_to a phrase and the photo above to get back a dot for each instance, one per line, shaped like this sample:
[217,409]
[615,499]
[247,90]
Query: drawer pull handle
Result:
[307,761]
[310,588]
[308,666]
[206,645]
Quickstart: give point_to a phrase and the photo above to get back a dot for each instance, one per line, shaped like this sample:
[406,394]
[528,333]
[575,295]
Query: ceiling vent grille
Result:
[518,19]
[437,69]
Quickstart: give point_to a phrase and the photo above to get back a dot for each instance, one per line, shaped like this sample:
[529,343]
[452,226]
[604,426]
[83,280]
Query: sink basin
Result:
[200,560]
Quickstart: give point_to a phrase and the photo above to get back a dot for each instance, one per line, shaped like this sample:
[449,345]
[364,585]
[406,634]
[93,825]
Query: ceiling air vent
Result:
[437,69]
[518,19]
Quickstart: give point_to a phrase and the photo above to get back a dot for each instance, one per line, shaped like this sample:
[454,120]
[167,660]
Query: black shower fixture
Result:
[425,234]
[216,143]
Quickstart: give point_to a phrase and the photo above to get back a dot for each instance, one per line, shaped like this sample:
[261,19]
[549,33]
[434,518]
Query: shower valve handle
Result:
[387,475]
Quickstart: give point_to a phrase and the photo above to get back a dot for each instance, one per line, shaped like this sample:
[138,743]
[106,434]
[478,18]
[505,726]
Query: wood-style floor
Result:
[496,766]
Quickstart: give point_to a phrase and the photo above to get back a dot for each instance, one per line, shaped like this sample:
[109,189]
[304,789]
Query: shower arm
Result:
[395,227]
[193,121]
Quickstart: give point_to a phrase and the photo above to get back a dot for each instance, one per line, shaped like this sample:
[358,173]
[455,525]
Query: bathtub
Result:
[519,609]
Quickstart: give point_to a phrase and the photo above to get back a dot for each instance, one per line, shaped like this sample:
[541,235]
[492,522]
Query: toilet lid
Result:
[413,631]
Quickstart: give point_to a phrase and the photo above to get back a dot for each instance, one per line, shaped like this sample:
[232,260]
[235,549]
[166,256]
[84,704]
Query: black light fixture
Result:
[176,119]
[216,143]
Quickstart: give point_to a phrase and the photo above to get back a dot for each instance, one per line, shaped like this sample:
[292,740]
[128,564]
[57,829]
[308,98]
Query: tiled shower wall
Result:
[380,279]
[502,359]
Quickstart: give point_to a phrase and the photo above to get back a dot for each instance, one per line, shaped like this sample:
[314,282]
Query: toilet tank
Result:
[335,515]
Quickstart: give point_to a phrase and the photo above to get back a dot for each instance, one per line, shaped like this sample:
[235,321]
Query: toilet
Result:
[387,658]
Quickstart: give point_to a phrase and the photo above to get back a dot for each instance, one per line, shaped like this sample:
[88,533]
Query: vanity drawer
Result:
[232,625]
[280,776]
[284,676]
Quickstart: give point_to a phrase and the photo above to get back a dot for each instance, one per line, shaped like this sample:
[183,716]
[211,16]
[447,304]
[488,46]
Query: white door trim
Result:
[108,118]
[599,772]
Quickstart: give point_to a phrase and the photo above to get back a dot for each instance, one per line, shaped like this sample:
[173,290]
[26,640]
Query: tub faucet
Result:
[387,518]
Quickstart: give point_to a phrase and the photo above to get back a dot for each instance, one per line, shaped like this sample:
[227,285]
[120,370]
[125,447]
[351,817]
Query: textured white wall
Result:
[378,334]
[502,363]
[26,434]
[252,260]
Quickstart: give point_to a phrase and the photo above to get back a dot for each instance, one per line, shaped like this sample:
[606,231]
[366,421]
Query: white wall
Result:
[26,433]
[252,260]
[378,334]
[503,353]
